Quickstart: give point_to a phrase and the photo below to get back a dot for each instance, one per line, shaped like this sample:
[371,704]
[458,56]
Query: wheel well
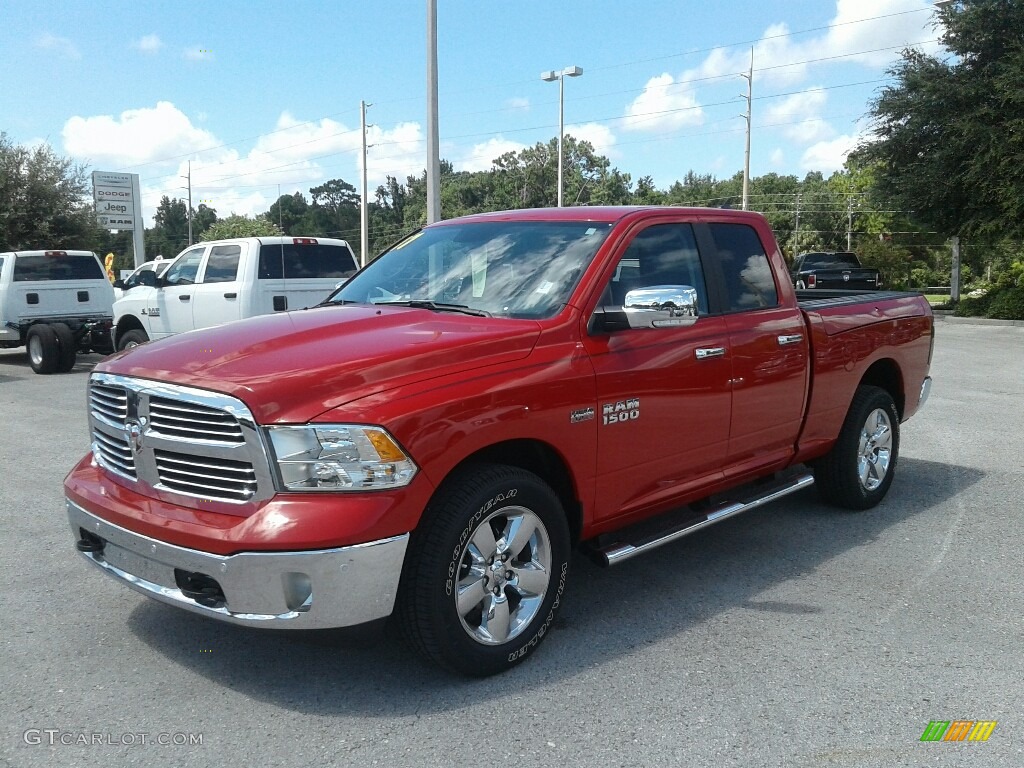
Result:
[545,462]
[125,324]
[886,374]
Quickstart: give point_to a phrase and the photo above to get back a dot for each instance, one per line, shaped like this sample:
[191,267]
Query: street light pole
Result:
[364,213]
[550,77]
[433,141]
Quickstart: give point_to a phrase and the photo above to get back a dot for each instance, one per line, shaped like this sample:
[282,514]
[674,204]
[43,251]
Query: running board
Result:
[620,551]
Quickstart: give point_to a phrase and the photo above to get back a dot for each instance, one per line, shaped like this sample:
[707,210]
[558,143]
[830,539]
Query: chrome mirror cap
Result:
[661,306]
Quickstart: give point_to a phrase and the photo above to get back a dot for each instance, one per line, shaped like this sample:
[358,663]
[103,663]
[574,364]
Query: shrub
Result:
[1007,303]
[973,306]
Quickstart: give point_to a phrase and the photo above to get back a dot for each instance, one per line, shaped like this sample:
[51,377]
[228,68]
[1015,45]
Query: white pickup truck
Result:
[223,280]
[56,303]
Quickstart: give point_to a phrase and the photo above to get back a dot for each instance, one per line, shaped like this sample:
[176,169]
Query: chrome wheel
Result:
[875,450]
[35,350]
[504,574]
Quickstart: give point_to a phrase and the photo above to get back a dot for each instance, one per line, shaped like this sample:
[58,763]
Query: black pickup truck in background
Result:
[836,270]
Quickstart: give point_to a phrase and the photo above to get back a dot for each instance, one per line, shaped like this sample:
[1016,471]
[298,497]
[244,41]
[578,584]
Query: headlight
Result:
[339,457]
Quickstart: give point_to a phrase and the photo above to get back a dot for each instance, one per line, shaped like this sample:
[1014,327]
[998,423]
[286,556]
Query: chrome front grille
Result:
[189,421]
[178,440]
[109,402]
[115,453]
[206,477]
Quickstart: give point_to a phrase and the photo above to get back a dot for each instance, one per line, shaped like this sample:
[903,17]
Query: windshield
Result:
[503,268]
[831,261]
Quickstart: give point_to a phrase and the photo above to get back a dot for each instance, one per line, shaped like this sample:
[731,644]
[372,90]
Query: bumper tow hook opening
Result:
[89,543]
[200,587]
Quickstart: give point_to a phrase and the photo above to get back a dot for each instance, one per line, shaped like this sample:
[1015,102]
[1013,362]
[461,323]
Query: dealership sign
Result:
[117,198]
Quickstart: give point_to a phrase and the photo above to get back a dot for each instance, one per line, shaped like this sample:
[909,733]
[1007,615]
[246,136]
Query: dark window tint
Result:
[830,261]
[57,267]
[186,267]
[222,266]
[749,283]
[664,254]
[297,261]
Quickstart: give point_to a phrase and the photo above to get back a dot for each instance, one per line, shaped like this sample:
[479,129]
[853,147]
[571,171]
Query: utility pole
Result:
[954,283]
[849,223]
[796,229]
[433,141]
[364,211]
[189,179]
[746,157]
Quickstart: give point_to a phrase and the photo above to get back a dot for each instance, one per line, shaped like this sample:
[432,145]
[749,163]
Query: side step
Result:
[620,551]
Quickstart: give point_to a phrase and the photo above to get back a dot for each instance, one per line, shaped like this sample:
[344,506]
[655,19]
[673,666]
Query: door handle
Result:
[230,295]
[184,297]
[703,353]
[793,338]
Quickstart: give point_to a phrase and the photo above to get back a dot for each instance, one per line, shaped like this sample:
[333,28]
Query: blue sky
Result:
[260,94]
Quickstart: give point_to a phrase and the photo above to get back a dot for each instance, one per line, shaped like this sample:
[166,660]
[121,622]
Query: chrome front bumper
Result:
[296,590]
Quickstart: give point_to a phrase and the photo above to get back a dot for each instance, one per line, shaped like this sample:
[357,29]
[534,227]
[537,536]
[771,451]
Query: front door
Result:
[174,299]
[664,395]
[216,298]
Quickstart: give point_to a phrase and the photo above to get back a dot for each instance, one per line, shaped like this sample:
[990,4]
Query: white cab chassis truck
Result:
[223,280]
[55,303]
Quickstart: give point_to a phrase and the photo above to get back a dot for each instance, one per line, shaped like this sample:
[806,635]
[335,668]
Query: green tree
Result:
[949,134]
[290,212]
[44,200]
[202,218]
[236,225]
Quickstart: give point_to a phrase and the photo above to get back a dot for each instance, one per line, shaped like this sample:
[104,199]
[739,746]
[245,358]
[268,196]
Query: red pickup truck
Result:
[432,441]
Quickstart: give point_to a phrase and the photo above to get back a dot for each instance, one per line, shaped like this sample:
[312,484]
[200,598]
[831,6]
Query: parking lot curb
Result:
[946,316]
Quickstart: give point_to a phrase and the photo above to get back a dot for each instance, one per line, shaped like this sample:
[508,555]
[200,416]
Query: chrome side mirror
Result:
[661,306]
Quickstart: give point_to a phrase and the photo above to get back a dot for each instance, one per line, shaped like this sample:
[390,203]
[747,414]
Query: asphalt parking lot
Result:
[796,635]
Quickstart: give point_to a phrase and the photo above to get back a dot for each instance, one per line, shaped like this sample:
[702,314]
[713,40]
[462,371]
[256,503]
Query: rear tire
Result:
[131,339]
[43,348]
[485,570]
[68,347]
[857,472]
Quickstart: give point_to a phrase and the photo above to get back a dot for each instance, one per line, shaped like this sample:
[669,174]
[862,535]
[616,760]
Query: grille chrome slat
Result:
[136,424]
[192,421]
[110,402]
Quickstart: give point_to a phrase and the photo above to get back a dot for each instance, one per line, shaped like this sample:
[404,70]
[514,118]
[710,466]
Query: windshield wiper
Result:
[435,306]
[335,302]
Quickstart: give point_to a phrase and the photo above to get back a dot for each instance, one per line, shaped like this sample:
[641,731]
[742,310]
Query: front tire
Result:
[857,472]
[131,339]
[486,567]
[43,349]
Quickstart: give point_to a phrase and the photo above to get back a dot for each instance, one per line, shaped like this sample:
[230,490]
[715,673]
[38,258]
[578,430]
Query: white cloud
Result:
[599,135]
[828,156]
[778,158]
[198,54]
[481,157]
[518,102]
[799,116]
[149,43]
[135,137]
[61,45]
[664,104]
[894,30]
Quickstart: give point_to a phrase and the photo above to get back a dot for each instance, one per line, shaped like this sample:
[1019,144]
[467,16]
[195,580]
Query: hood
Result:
[291,367]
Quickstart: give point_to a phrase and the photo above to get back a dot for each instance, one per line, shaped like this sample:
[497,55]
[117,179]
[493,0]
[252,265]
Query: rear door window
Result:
[749,283]
[222,266]
[305,260]
[57,266]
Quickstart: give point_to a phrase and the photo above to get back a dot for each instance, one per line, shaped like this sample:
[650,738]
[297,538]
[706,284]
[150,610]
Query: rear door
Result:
[215,299]
[769,348]
[300,273]
[664,395]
